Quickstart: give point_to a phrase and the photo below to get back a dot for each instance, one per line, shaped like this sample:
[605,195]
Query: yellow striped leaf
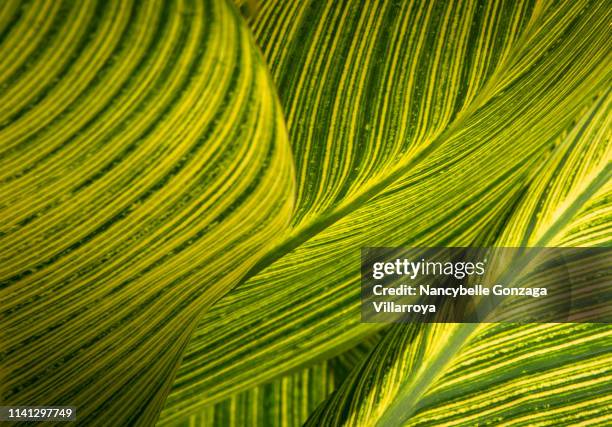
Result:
[503,374]
[287,400]
[284,402]
[142,150]
[416,123]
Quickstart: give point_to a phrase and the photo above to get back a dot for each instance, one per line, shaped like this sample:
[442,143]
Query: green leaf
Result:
[142,152]
[503,374]
[146,169]
[286,401]
[411,124]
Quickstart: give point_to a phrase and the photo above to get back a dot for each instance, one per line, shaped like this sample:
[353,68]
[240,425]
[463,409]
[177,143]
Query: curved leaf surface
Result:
[142,150]
[459,163]
[503,374]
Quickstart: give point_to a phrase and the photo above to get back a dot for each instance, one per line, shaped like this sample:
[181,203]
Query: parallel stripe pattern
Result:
[287,400]
[455,185]
[142,150]
[384,83]
[520,375]
[284,402]
[502,374]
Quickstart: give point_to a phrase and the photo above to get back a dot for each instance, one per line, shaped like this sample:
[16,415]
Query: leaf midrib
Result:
[406,404]
[308,231]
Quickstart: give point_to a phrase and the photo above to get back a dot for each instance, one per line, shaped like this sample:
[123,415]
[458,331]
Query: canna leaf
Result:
[286,401]
[142,150]
[146,169]
[427,141]
[503,374]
